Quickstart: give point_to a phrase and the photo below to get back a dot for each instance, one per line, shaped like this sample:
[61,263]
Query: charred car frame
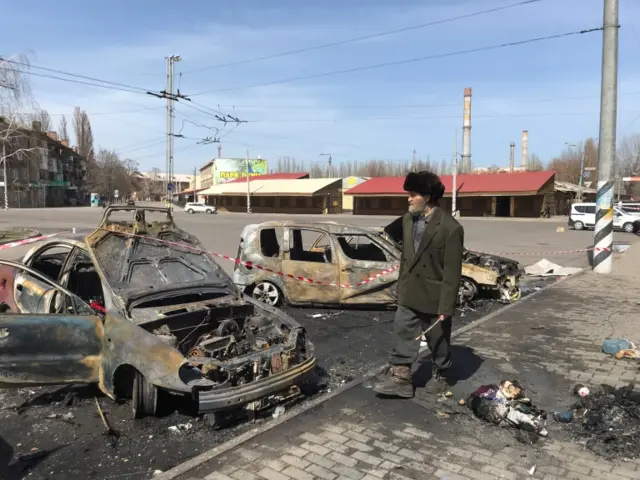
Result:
[326,263]
[142,310]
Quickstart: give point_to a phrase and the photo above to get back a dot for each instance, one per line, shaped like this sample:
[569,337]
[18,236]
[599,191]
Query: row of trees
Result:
[106,170]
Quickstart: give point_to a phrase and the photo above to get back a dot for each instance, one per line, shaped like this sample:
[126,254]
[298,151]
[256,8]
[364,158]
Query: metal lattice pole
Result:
[603,236]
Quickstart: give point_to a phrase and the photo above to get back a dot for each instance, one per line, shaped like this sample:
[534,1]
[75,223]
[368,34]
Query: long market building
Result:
[519,194]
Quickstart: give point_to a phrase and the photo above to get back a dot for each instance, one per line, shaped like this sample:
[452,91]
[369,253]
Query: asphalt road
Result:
[522,239]
[36,440]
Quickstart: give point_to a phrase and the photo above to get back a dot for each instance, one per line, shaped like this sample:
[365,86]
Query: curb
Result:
[251,434]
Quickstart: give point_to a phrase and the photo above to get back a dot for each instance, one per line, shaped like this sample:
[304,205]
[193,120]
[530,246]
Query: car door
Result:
[617,219]
[301,263]
[41,347]
[362,257]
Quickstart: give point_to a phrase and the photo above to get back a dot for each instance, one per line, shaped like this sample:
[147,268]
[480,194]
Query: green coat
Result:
[429,279]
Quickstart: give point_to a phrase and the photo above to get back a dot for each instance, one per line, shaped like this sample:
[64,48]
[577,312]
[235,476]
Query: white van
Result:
[583,215]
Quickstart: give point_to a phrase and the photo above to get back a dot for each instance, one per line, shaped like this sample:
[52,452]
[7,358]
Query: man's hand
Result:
[442,318]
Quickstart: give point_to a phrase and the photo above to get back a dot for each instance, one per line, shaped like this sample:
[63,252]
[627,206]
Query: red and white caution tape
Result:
[538,254]
[27,241]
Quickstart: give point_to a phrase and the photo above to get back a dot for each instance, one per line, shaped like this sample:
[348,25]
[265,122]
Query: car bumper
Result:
[235,397]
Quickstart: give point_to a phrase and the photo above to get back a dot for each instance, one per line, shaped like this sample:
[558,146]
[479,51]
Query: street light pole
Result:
[248,186]
[454,190]
[581,176]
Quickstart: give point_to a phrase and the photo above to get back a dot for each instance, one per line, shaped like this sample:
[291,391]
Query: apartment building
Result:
[41,170]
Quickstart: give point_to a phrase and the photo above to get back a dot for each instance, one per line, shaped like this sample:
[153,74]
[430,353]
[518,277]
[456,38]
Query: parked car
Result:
[338,258]
[143,318]
[192,207]
[583,215]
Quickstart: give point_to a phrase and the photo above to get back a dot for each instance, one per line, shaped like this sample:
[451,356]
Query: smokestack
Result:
[219,150]
[466,131]
[512,156]
[525,148]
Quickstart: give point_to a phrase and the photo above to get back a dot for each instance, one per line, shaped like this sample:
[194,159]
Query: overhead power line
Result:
[367,37]
[75,75]
[419,106]
[410,60]
[437,117]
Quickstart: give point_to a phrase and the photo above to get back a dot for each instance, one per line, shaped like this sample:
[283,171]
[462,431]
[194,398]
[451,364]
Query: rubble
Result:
[609,420]
[507,405]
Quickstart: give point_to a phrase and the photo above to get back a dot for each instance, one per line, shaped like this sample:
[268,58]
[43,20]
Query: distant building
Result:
[42,170]
[520,194]
[153,185]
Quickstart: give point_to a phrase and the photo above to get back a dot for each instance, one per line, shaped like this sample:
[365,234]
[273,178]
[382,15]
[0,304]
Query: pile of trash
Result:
[621,348]
[507,405]
[608,418]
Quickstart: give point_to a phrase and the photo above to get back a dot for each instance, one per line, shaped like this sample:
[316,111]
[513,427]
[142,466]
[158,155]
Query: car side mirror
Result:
[285,241]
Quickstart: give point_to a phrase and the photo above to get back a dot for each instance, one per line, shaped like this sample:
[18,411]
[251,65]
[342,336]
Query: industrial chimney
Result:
[512,156]
[525,148]
[466,132]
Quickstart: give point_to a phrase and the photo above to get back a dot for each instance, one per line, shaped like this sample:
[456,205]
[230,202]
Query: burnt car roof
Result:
[331,227]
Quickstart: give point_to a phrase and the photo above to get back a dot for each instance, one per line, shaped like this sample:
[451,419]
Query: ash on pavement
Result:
[39,438]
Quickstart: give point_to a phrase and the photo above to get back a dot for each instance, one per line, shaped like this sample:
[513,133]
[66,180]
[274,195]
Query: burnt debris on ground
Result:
[608,420]
[57,433]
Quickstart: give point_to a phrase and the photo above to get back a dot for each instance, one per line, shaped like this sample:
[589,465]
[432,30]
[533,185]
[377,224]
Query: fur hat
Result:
[425,183]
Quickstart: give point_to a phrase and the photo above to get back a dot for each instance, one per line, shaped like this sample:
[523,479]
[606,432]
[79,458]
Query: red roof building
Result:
[273,176]
[518,194]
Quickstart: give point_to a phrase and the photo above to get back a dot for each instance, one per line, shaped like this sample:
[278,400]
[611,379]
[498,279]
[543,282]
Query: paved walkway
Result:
[549,343]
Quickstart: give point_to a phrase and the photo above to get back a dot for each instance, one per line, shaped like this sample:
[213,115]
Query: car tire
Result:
[190,211]
[209,211]
[268,293]
[468,289]
[578,225]
[144,401]
[629,227]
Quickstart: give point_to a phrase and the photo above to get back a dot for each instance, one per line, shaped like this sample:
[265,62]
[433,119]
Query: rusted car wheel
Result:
[268,293]
[145,397]
[468,289]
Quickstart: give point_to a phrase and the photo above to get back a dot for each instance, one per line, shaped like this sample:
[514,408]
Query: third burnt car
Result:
[338,260]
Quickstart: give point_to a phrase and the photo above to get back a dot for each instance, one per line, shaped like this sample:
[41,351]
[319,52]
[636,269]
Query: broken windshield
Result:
[139,262]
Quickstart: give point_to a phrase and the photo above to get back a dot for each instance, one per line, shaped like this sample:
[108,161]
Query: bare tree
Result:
[43,118]
[15,100]
[63,130]
[534,163]
[83,133]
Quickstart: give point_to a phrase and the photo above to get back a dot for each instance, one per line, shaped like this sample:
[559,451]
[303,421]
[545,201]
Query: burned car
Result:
[330,264]
[141,309]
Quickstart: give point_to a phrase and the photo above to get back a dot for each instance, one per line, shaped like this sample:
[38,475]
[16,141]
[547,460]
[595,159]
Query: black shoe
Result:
[396,383]
[437,384]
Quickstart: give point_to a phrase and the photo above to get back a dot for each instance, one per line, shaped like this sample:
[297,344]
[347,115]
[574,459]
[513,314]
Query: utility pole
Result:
[248,186]
[170,117]
[454,190]
[603,235]
[329,169]
[4,173]
[581,175]
[414,162]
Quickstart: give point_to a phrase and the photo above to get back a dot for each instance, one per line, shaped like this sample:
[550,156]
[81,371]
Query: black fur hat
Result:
[425,183]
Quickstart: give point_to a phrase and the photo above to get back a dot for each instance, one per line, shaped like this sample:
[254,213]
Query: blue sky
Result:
[549,88]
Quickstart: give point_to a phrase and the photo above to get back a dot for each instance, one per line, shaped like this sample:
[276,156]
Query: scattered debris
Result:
[507,404]
[609,420]
[461,402]
[545,268]
[532,470]
[325,315]
[108,429]
[563,417]
[278,412]
[441,415]
[157,472]
[620,348]
[181,427]
[67,417]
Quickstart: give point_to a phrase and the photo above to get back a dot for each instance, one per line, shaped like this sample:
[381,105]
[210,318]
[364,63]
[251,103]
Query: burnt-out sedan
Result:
[138,307]
[330,264]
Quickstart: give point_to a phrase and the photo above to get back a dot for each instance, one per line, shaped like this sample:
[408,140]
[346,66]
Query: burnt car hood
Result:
[139,259]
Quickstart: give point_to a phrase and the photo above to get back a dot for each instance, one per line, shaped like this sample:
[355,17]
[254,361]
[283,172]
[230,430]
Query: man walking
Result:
[428,283]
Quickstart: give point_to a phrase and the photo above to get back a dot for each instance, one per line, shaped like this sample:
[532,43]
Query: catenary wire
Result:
[84,77]
[367,37]
[409,60]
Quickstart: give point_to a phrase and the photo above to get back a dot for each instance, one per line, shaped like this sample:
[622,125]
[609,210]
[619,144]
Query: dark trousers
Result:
[408,325]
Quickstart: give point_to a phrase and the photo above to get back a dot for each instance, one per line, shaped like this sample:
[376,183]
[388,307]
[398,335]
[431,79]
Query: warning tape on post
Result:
[27,241]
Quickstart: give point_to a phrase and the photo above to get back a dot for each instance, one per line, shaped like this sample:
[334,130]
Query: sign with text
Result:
[229,169]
